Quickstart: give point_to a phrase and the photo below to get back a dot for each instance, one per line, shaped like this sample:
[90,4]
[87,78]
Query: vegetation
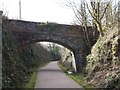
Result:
[18,65]
[78,77]
[32,78]
[103,62]
[54,50]
[99,14]
[67,59]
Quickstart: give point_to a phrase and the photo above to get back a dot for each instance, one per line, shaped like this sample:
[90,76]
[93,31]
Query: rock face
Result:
[103,64]
[68,60]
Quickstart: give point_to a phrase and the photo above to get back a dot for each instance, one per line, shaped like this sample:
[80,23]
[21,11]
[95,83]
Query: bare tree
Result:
[81,17]
[98,12]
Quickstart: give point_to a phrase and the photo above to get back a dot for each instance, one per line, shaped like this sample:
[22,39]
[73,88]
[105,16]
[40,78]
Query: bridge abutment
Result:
[78,60]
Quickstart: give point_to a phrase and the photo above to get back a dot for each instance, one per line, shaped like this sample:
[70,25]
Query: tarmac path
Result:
[51,76]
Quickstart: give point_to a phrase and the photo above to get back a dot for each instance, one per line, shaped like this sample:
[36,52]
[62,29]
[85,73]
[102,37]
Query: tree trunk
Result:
[99,27]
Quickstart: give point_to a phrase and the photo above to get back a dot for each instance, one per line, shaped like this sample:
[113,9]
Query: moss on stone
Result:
[103,60]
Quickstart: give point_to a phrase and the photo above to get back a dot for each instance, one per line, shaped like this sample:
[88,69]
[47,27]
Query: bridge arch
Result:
[77,53]
[69,36]
[56,42]
[33,41]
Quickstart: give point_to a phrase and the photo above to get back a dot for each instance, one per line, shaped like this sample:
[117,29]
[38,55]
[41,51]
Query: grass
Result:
[78,78]
[33,76]
[32,80]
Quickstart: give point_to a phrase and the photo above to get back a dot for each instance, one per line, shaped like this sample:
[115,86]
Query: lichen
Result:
[103,61]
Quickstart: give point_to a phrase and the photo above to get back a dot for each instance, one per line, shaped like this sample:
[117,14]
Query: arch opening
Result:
[67,56]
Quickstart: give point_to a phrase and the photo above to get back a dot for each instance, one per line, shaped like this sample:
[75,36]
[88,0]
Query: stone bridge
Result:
[69,36]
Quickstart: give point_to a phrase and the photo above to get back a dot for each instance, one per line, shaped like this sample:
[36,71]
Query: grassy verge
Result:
[78,78]
[32,78]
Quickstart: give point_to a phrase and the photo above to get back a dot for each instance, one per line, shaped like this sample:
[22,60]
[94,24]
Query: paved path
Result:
[51,76]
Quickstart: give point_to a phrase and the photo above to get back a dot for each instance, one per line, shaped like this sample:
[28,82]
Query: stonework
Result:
[69,36]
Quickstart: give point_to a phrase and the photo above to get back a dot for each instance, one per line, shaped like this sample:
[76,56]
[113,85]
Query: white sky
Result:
[38,10]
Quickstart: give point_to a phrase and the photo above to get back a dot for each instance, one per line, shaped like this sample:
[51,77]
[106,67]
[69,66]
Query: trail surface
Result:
[51,76]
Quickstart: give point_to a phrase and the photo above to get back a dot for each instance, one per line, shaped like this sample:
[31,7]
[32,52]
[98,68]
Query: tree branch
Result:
[105,10]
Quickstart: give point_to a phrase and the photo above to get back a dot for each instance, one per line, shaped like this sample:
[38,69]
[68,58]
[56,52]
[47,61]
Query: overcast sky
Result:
[38,10]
